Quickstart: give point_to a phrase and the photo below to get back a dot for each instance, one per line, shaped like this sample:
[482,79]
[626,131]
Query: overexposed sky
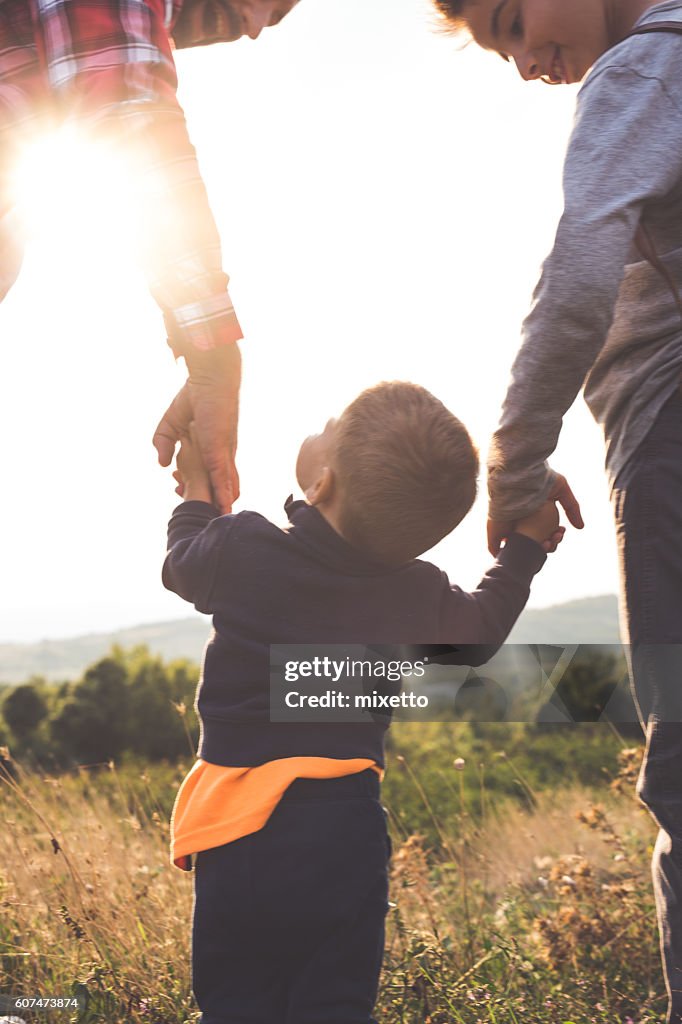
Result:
[385,199]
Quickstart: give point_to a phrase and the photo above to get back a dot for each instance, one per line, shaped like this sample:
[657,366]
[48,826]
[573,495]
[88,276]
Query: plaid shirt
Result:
[109,63]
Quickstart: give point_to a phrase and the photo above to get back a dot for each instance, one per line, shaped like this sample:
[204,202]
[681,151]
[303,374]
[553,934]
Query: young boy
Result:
[607,316]
[291,880]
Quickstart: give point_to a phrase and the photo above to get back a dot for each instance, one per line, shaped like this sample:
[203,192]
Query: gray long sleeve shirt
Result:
[602,317]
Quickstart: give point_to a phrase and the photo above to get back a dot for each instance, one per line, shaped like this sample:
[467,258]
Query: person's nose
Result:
[528,66]
[260,20]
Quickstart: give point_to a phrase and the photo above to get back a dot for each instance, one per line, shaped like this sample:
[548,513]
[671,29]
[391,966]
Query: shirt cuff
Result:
[518,499]
[523,556]
[203,325]
[196,508]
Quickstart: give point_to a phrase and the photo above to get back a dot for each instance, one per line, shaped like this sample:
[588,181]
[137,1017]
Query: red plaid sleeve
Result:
[109,62]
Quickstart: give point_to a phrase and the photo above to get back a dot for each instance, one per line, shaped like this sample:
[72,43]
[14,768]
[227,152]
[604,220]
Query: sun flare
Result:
[74,191]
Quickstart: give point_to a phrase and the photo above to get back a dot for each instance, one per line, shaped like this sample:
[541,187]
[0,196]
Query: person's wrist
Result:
[528,531]
[198,490]
[223,361]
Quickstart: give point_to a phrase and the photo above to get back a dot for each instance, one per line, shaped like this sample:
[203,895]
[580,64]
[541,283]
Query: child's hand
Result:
[543,527]
[191,474]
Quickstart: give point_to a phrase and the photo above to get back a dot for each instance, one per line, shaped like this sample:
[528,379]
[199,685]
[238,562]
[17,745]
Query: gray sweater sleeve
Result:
[625,151]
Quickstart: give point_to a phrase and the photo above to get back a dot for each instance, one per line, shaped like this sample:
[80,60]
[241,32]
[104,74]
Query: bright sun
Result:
[68,189]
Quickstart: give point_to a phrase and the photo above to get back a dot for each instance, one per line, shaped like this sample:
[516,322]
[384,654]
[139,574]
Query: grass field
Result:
[520,885]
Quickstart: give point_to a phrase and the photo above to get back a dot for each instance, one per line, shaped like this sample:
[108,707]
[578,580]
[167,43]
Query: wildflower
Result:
[501,913]
[458,764]
[72,924]
[593,817]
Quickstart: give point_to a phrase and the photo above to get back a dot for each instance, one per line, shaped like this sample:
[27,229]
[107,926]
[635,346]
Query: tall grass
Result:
[531,905]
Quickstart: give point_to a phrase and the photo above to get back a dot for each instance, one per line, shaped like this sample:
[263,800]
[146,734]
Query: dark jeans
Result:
[289,921]
[648,509]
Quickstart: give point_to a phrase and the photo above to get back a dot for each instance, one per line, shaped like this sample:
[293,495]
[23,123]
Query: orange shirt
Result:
[216,805]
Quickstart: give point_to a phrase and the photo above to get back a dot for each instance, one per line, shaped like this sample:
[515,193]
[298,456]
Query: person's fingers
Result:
[552,543]
[235,483]
[493,542]
[215,430]
[558,536]
[172,425]
[568,501]
[224,485]
[216,453]
[497,532]
[180,489]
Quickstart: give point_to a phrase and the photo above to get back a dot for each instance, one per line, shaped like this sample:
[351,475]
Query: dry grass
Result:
[540,916]
[88,897]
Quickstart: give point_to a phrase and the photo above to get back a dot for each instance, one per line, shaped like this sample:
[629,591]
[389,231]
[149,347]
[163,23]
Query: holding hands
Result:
[543,527]
[562,494]
[209,400]
[191,475]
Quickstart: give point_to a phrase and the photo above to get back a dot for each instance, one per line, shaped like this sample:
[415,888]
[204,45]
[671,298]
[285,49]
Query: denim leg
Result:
[648,509]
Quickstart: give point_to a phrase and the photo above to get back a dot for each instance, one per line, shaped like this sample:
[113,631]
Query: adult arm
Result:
[112,66]
[626,150]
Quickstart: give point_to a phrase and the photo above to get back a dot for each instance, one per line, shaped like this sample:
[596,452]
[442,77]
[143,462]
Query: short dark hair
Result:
[452,12]
[407,469]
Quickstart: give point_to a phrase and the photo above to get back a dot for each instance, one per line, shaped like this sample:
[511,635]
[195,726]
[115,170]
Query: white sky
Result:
[385,200]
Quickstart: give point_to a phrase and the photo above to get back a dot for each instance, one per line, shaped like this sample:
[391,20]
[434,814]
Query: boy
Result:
[291,880]
[607,316]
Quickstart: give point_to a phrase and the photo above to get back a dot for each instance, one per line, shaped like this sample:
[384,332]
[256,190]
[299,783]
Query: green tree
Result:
[156,726]
[92,723]
[23,709]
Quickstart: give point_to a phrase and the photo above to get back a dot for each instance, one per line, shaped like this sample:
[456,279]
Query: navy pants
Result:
[648,509]
[289,921]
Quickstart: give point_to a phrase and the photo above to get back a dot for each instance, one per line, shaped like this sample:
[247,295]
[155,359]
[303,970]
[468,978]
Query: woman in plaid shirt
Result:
[109,63]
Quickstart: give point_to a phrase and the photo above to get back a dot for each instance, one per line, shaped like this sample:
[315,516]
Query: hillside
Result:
[590,620]
[66,659]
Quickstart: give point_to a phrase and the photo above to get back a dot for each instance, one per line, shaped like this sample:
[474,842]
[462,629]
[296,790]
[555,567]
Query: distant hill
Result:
[66,659]
[591,620]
